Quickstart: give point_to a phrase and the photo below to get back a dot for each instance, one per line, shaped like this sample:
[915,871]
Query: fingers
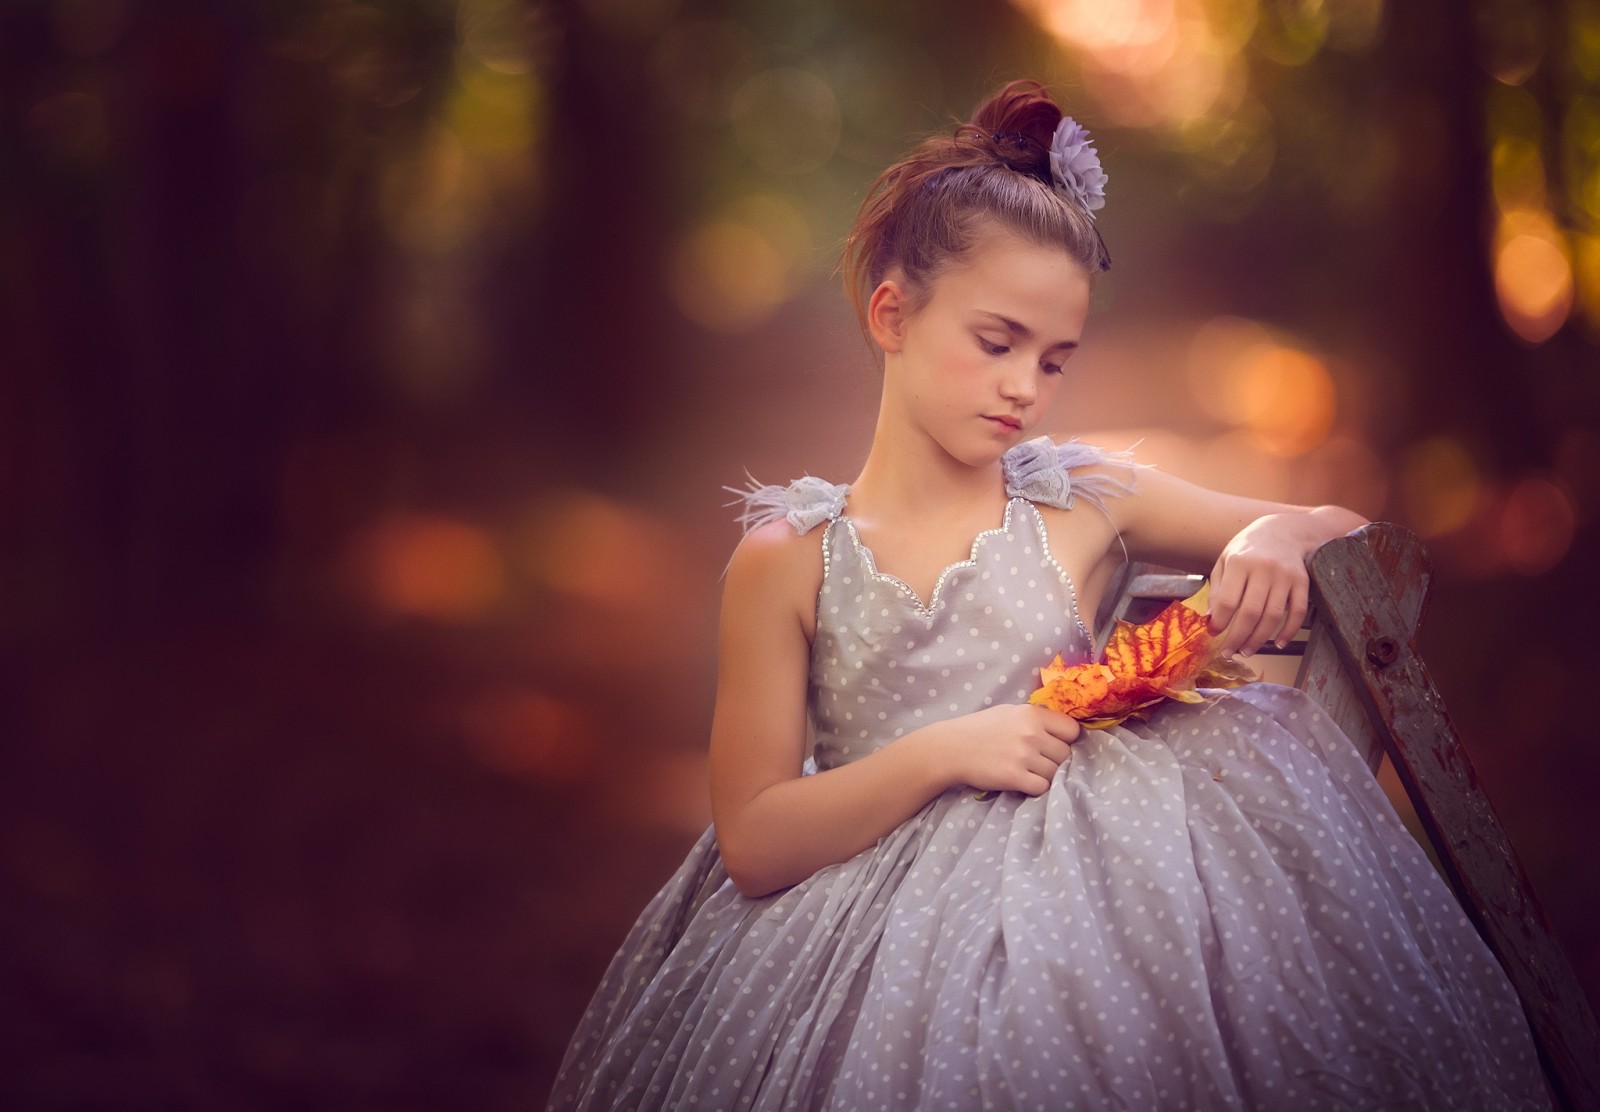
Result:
[1027,751]
[1270,624]
[1045,765]
[1248,617]
[1224,598]
[1041,765]
[1252,605]
[1299,606]
[1060,726]
[1037,784]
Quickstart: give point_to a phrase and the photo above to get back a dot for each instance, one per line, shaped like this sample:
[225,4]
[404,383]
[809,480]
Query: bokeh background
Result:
[372,371]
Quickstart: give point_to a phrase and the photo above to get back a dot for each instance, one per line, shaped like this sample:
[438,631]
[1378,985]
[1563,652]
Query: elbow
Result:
[753,886]
[751,876]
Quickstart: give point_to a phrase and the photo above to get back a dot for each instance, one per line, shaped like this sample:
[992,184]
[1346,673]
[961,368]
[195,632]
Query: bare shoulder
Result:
[1107,468]
[1084,525]
[774,567]
[1080,538]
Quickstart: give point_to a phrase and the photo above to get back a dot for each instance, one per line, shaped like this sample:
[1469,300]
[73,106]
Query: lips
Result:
[1011,423]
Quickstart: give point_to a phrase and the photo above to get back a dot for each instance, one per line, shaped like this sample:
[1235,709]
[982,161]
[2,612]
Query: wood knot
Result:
[1383,651]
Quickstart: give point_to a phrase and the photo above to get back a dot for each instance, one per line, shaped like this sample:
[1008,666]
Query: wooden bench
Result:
[1358,658]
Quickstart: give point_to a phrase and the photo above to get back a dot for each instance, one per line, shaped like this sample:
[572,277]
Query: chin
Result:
[983,454]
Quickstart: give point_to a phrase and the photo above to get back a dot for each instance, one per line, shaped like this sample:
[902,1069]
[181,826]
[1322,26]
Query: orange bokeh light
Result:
[529,733]
[432,567]
[1442,486]
[1286,398]
[1532,275]
[1537,523]
[599,550]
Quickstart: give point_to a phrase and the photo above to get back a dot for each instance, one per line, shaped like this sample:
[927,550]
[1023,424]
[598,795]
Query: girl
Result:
[973,904]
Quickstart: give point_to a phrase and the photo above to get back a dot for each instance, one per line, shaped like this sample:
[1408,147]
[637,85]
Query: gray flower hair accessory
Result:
[1075,166]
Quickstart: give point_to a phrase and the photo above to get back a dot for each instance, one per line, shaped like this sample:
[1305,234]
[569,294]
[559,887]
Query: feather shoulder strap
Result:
[1041,470]
[804,503]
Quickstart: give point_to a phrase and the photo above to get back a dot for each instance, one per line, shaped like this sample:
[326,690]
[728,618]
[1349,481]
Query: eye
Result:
[1056,367]
[991,347]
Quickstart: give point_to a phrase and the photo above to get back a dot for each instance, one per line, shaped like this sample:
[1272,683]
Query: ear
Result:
[888,310]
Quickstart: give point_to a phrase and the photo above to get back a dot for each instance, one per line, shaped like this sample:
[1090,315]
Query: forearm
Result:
[791,829]
[1316,525]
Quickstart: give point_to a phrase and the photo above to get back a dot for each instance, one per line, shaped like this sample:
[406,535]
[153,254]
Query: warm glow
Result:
[1239,463]
[1241,374]
[1441,485]
[1537,522]
[600,550]
[1173,64]
[494,111]
[1153,62]
[1346,472]
[727,277]
[529,733]
[1292,400]
[427,199]
[1580,141]
[1105,25]
[1234,153]
[670,791]
[1532,274]
[1187,87]
[1586,272]
[1517,174]
[432,567]
[1295,33]
[1219,346]
[731,273]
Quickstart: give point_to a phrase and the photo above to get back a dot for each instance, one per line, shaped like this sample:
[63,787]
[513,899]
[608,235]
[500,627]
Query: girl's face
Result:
[977,365]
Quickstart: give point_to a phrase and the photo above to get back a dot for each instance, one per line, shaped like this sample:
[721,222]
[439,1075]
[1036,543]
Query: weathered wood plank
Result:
[1374,639]
[1323,676]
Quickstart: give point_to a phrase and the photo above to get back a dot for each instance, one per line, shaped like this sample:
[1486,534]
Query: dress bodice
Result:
[884,661]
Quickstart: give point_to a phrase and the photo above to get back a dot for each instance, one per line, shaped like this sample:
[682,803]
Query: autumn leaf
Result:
[1168,657]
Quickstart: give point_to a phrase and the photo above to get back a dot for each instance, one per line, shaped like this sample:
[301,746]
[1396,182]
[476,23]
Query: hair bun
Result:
[1022,153]
[1018,124]
[1023,108]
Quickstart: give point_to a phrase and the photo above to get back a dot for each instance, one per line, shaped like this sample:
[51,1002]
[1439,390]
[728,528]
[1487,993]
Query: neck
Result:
[908,475]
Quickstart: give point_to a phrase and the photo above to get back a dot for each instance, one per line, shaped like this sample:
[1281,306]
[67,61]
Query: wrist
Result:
[933,755]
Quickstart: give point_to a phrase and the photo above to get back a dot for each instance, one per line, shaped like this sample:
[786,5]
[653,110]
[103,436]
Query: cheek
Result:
[966,363]
[1048,389]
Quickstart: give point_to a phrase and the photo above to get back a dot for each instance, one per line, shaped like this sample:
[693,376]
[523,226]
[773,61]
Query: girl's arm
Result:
[1256,551]
[776,827]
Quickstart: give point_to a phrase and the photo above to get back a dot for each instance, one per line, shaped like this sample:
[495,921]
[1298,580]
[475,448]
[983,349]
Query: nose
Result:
[1018,386]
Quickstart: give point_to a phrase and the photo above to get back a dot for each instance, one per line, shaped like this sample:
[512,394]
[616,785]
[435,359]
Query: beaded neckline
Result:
[929,608]
[925,608]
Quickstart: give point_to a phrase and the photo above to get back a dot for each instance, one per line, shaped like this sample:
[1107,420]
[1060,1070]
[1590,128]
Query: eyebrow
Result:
[1017,328]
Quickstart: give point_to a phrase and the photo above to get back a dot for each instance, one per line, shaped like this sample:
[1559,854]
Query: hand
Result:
[1013,747]
[1259,586]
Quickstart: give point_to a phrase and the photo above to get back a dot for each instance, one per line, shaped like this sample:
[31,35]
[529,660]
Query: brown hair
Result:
[922,213]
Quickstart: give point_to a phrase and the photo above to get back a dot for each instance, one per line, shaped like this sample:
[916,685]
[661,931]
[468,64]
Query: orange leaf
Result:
[1168,657]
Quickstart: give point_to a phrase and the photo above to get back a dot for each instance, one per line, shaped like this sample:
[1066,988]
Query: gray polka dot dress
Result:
[1214,909]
